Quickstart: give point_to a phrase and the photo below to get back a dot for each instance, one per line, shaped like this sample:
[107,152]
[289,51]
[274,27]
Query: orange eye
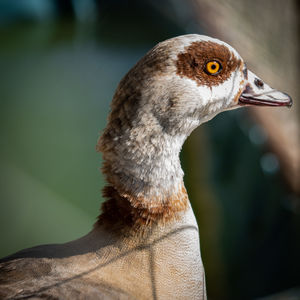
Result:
[213,67]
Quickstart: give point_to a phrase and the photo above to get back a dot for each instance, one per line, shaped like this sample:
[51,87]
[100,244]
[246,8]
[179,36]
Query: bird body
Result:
[103,266]
[145,244]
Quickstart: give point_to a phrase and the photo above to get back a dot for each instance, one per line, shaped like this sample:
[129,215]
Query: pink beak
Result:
[258,93]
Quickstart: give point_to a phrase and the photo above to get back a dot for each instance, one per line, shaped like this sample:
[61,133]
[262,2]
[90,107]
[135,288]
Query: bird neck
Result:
[144,175]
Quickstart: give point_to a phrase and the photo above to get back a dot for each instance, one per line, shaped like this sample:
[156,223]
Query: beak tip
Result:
[290,101]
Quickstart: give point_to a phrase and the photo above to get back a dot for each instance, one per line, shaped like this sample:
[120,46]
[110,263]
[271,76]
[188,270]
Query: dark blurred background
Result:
[60,62]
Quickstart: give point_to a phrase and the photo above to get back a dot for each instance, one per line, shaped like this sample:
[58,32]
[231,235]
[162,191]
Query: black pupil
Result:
[213,66]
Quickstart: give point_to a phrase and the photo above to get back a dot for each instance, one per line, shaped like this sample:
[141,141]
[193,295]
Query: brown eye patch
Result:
[192,63]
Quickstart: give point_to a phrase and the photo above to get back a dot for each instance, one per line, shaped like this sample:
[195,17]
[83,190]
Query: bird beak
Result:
[257,92]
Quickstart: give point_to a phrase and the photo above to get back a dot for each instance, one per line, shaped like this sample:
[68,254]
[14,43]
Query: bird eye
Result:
[213,67]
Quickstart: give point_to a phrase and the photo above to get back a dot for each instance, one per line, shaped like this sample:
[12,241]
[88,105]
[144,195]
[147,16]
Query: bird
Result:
[145,243]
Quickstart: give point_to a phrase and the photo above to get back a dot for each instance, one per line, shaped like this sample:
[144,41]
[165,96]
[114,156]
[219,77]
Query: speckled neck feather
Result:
[141,151]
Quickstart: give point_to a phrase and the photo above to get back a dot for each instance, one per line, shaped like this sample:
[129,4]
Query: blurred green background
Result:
[60,63]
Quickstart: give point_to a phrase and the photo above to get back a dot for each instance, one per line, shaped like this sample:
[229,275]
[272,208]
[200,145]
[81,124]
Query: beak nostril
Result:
[259,83]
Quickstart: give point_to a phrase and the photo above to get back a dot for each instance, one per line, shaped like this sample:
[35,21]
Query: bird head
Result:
[187,80]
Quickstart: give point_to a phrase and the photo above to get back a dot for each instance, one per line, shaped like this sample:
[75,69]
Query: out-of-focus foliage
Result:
[60,63]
